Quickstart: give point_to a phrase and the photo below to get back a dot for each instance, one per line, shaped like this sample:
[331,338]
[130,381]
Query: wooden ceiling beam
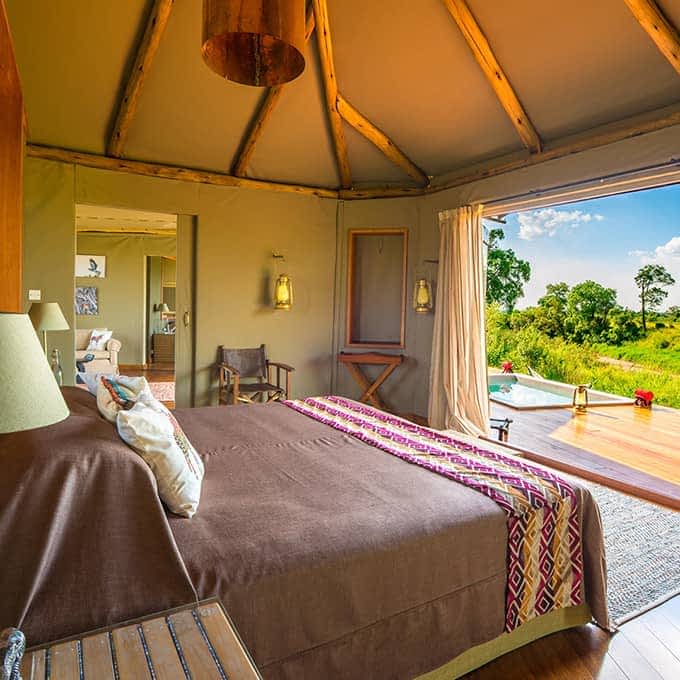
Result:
[485,57]
[170,171]
[146,52]
[264,111]
[598,137]
[323,37]
[377,137]
[659,29]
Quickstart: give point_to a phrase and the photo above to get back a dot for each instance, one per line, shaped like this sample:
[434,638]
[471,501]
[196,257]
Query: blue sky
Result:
[605,239]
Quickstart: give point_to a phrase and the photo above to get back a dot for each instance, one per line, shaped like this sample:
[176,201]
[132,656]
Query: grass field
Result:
[660,350]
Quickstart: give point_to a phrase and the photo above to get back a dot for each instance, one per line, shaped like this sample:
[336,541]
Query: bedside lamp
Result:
[29,396]
[47,316]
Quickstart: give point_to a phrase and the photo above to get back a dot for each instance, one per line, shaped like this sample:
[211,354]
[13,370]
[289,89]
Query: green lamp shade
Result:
[47,316]
[29,394]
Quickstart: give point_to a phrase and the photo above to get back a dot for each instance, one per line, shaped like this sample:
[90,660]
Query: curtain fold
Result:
[459,397]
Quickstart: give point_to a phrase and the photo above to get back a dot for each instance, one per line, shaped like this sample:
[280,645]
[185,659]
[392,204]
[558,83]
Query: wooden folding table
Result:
[355,361]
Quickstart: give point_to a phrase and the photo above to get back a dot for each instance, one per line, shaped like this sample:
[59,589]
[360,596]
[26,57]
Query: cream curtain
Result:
[459,398]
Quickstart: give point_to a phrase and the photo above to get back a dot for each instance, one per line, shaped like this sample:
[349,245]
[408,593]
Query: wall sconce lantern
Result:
[580,398]
[255,43]
[422,296]
[283,288]
[283,292]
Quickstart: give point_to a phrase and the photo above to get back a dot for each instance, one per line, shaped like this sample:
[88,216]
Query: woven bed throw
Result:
[544,556]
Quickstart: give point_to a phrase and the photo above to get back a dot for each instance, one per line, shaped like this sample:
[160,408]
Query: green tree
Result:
[623,326]
[588,307]
[506,274]
[652,279]
[552,309]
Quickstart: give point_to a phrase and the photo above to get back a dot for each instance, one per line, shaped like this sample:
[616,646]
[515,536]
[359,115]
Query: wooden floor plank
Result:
[644,649]
[97,661]
[631,661]
[665,631]
[671,609]
[541,660]
[166,663]
[194,647]
[651,648]
[64,661]
[591,643]
[130,657]
[226,644]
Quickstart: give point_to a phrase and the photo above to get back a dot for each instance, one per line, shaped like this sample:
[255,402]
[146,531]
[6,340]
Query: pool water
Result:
[516,394]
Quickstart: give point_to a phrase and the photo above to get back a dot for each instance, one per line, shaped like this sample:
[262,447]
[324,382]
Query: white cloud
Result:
[668,250]
[548,221]
[667,253]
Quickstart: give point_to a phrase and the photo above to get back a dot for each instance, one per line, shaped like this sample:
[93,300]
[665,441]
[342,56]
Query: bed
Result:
[334,558]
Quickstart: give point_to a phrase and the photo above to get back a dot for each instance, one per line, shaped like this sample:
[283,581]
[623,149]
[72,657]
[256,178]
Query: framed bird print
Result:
[91,266]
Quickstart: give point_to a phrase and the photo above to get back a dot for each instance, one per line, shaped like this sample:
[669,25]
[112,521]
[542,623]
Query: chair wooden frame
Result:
[248,393]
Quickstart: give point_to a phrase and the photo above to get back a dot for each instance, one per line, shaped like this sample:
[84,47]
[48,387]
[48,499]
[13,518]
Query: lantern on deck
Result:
[580,398]
[254,43]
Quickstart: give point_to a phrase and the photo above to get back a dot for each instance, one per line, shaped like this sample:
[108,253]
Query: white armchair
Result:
[105,360]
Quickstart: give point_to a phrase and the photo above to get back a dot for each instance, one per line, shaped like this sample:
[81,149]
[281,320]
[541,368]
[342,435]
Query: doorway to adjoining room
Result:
[125,302]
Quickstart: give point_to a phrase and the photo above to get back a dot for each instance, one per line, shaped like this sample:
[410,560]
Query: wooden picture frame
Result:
[363,299]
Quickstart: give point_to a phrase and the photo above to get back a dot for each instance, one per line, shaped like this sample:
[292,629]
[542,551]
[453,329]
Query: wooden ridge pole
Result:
[659,29]
[263,113]
[485,57]
[323,37]
[146,52]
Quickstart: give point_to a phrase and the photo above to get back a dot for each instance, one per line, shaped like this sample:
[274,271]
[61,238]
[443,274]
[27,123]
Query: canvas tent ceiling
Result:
[405,65]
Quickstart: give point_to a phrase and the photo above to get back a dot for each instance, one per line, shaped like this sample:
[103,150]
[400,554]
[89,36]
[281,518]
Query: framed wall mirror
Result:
[376,287]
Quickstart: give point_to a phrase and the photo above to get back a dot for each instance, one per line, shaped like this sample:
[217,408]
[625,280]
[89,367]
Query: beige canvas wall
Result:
[49,243]
[237,231]
[406,389]
[121,293]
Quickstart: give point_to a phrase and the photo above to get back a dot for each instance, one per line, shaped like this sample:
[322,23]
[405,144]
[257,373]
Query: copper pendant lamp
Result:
[253,42]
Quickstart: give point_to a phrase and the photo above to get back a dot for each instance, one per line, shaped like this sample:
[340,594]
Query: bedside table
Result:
[197,641]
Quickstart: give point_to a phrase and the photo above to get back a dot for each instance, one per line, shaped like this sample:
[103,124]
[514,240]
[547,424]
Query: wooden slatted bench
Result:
[197,641]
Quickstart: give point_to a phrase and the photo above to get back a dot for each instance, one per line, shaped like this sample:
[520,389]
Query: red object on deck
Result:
[507,366]
[643,398]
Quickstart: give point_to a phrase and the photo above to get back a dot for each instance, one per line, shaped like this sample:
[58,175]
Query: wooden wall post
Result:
[11,173]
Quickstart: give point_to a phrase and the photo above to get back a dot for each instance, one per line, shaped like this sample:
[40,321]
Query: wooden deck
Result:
[631,449]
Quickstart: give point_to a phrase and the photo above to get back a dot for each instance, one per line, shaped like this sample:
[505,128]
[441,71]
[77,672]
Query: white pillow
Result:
[152,431]
[98,339]
[118,392]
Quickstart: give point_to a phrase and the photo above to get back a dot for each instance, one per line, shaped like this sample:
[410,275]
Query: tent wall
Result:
[237,231]
[236,234]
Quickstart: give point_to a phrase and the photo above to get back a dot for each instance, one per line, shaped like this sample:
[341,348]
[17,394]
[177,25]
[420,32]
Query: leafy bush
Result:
[557,359]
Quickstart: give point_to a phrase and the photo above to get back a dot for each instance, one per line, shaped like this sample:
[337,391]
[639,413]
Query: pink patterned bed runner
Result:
[544,557]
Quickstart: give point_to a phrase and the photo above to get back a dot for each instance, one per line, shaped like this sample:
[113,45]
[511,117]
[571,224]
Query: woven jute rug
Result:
[643,552]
